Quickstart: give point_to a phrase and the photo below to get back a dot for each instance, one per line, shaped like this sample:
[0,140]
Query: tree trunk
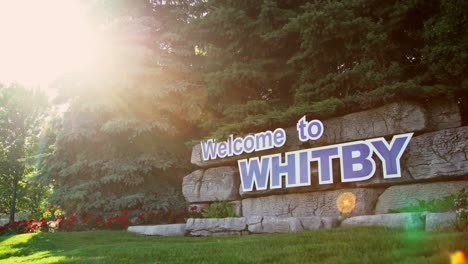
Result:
[13,199]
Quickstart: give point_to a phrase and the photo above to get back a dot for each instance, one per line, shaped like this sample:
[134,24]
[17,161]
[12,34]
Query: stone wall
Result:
[434,165]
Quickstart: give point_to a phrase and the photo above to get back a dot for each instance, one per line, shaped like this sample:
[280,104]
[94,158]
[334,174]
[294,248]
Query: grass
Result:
[342,245]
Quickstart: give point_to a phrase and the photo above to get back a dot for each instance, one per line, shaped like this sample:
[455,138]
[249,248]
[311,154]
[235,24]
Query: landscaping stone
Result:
[390,119]
[443,114]
[329,222]
[401,220]
[439,154]
[212,226]
[404,195]
[433,156]
[440,221]
[237,207]
[274,224]
[394,118]
[310,204]
[215,184]
[159,230]
[311,222]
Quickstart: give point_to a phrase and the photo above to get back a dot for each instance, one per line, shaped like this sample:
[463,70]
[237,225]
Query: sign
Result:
[356,162]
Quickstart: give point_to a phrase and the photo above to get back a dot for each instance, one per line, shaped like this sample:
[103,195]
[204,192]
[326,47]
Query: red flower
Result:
[193,208]
[174,216]
[98,219]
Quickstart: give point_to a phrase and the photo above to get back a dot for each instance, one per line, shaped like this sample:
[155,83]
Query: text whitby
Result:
[355,158]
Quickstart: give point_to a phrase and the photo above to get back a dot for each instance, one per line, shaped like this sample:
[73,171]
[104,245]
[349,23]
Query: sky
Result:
[40,40]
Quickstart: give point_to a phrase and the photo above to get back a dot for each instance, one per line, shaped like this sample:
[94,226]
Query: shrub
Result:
[220,210]
[435,205]
[461,206]
[167,217]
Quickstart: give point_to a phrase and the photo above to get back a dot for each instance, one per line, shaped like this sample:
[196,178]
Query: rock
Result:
[438,154]
[159,230]
[440,221]
[394,118]
[402,220]
[404,195]
[443,114]
[191,185]
[329,222]
[271,224]
[311,222]
[215,184]
[390,119]
[275,224]
[211,226]
[432,156]
[309,204]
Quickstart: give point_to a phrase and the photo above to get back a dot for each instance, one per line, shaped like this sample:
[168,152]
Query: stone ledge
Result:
[211,185]
[440,221]
[401,220]
[216,226]
[310,204]
[159,230]
[256,225]
[390,119]
[404,195]
[273,224]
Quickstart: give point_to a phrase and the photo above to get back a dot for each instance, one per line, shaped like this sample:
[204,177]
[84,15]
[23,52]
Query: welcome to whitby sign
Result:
[356,162]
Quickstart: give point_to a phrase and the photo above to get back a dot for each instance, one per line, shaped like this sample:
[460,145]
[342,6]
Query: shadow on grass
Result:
[66,247]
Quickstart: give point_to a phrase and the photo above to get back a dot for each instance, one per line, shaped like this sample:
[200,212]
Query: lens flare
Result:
[458,257]
[346,202]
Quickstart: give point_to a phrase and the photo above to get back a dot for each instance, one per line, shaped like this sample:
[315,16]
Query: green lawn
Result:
[342,245]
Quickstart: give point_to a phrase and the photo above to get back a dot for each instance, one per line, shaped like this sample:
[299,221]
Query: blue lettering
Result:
[324,157]
[356,162]
[254,171]
[390,154]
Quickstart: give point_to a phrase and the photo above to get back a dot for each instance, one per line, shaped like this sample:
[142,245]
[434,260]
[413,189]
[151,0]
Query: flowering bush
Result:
[53,219]
[22,227]
[47,213]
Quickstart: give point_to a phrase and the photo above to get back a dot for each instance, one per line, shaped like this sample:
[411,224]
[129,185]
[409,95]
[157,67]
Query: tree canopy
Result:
[267,64]
[178,71]
[22,114]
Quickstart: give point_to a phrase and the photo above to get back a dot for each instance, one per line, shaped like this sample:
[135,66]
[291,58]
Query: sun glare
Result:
[40,40]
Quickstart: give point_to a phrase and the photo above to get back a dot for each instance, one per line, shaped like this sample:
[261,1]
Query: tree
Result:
[266,65]
[121,142]
[21,115]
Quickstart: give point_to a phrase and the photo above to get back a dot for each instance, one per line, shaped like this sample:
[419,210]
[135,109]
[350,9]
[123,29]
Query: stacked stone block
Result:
[434,165]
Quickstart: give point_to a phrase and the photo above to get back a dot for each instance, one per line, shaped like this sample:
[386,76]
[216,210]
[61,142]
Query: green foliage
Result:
[219,210]
[120,145]
[443,204]
[265,65]
[461,209]
[22,145]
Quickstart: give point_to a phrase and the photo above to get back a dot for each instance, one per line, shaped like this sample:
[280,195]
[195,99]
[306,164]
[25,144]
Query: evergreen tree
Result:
[267,64]
[121,141]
